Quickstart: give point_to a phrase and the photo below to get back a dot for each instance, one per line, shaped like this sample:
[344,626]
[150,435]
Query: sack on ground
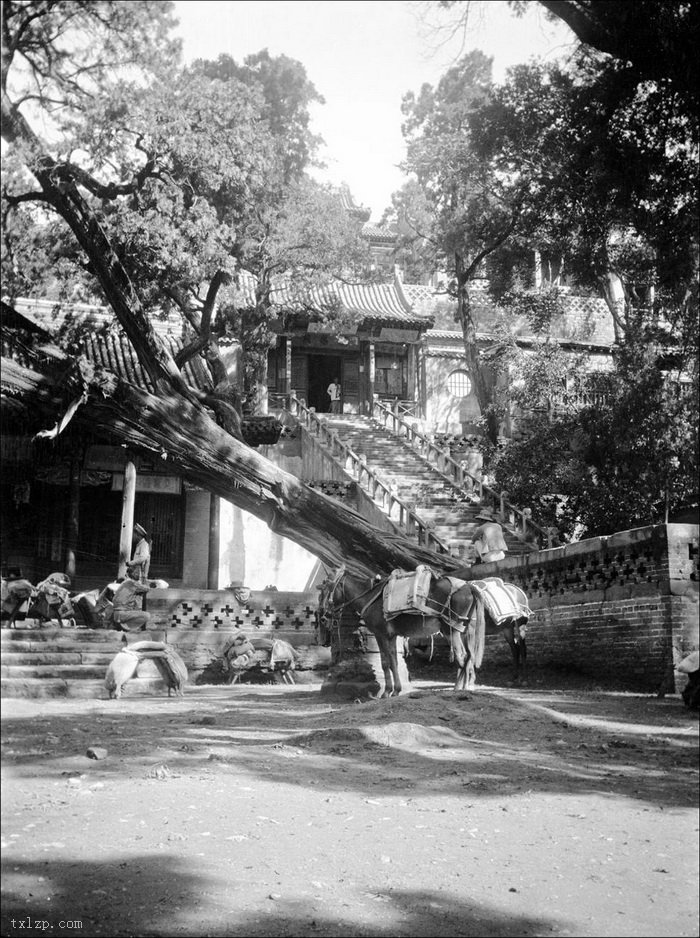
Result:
[283,654]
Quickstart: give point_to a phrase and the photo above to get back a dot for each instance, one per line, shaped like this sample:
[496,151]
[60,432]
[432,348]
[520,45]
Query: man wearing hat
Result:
[129,614]
[141,559]
[489,542]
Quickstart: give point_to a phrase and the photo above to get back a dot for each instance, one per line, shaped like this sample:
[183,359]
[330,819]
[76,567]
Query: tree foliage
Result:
[626,457]
[591,163]
[455,210]
[160,185]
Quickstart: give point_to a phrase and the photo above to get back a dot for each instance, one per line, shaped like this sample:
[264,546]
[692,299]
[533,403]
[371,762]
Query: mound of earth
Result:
[267,811]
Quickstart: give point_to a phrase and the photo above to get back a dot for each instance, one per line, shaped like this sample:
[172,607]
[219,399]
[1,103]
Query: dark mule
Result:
[458,610]
[454,616]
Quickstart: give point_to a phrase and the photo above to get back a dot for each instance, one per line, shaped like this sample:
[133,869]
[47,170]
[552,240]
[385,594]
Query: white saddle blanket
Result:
[503,601]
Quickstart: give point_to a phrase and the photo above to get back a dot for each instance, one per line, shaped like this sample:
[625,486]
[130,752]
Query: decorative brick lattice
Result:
[633,564]
[262,615]
[343,491]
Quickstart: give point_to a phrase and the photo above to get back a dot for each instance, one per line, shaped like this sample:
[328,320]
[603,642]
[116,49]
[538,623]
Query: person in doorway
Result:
[334,394]
[489,543]
[128,614]
[141,558]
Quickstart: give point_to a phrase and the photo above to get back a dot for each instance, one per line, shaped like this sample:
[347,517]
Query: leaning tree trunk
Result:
[186,437]
[175,425]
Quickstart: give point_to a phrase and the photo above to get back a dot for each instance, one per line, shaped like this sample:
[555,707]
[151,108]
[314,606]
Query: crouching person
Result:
[239,656]
[128,612]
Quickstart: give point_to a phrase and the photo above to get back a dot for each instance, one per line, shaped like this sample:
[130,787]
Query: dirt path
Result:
[264,811]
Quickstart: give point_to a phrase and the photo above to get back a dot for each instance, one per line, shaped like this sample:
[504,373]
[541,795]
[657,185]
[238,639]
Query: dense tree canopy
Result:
[591,163]
[156,186]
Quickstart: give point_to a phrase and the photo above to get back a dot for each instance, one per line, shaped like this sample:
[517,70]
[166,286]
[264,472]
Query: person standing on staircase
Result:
[334,394]
[473,464]
[489,543]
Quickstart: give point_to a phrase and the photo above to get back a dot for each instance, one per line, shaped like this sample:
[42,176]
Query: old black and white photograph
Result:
[349,519]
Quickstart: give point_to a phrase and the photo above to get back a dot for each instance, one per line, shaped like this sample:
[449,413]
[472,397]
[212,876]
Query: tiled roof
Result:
[585,320]
[53,314]
[369,302]
[374,232]
[350,205]
[109,348]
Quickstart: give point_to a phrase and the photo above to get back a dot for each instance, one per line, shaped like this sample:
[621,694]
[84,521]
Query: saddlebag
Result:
[406,593]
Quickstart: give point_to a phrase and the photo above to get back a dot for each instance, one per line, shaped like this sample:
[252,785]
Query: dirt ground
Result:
[268,811]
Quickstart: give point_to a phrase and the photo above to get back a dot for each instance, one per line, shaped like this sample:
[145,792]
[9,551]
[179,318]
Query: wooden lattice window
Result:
[459,384]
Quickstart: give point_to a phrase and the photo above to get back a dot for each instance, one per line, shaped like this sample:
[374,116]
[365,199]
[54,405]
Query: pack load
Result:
[406,593]
[502,601]
[125,665]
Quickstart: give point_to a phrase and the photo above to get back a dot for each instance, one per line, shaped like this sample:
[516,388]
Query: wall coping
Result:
[656,560]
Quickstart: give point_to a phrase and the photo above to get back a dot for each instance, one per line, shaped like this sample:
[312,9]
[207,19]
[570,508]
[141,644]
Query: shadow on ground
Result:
[639,747]
[161,896]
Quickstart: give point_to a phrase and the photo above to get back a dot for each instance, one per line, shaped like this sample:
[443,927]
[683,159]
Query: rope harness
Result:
[440,610]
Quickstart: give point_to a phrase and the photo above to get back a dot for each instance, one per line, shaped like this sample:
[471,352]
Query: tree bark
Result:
[174,423]
[186,437]
[481,380]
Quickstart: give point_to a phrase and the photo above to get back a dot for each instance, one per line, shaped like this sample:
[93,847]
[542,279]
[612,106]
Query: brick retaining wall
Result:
[200,623]
[625,606]
[621,608]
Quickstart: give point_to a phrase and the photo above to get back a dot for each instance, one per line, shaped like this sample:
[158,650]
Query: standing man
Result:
[334,394]
[141,558]
[473,462]
[489,542]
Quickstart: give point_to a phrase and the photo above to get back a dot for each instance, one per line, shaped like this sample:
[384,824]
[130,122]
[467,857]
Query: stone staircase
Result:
[451,515]
[71,662]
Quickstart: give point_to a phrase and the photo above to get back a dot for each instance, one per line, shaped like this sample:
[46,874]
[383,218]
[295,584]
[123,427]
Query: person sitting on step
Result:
[128,612]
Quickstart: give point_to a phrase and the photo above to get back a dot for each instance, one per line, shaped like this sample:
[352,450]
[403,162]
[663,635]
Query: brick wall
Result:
[200,623]
[622,608]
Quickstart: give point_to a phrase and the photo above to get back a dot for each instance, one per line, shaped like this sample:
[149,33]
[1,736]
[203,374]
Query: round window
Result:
[459,384]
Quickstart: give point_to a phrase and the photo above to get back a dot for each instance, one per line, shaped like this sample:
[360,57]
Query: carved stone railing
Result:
[356,466]
[519,520]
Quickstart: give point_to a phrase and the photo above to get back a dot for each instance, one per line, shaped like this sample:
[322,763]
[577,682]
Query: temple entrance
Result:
[322,370]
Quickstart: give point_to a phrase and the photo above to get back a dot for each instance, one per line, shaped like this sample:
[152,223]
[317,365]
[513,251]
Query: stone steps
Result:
[451,515]
[76,657]
[63,671]
[29,630]
[70,662]
[84,688]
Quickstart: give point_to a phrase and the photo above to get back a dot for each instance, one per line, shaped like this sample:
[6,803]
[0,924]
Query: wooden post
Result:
[411,390]
[421,379]
[72,518]
[214,528]
[371,368]
[288,370]
[127,530]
